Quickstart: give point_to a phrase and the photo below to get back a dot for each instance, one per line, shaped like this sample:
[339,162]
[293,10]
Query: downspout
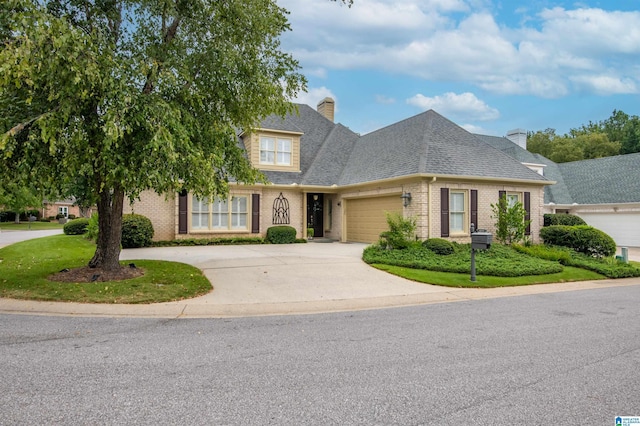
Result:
[433,179]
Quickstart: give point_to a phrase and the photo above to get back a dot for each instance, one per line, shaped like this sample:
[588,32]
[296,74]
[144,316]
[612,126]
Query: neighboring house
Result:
[341,184]
[605,192]
[64,207]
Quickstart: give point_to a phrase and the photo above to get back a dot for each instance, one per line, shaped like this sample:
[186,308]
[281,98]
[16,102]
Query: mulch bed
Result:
[88,275]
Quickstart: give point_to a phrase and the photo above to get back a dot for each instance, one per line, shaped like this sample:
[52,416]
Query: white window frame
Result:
[513,198]
[276,150]
[230,214]
[458,213]
[63,210]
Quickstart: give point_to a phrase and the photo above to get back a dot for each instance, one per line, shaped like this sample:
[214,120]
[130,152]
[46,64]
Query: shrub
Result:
[439,246]
[76,226]
[281,234]
[562,219]
[72,216]
[582,238]
[137,231]
[60,216]
[401,232]
[92,228]
[510,223]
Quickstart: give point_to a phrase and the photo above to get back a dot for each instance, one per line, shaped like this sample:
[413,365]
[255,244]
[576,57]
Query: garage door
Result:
[366,218]
[624,228]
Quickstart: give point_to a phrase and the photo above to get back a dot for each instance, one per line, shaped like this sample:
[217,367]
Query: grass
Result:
[25,267]
[25,226]
[448,279]
[500,266]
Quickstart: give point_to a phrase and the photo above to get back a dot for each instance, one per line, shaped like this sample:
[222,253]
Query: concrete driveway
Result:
[288,279]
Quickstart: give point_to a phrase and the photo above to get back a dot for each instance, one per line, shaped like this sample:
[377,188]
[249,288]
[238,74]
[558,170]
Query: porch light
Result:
[406,198]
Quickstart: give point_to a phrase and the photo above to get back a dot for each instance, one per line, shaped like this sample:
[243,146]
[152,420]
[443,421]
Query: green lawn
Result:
[449,279]
[24,226]
[26,265]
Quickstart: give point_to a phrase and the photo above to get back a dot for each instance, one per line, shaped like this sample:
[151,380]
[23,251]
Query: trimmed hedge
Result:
[582,238]
[439,246]
[76,226]
[563,219]
[281,234]
[137,231]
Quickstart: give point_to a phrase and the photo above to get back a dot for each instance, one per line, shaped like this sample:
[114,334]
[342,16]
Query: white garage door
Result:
[624,228]
[366,218]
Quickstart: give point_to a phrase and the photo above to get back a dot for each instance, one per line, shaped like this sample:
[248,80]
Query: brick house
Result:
[604,192]
[326,177]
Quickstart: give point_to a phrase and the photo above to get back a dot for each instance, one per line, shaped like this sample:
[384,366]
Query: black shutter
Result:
[255,213]
[474,208]
[527,209]
[501,195]
[444,212]
[182,212]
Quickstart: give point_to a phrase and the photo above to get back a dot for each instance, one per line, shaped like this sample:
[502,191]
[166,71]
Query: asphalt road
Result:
[562,358]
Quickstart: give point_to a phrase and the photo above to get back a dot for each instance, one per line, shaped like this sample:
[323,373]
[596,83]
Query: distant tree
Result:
[597,145]
[630,142]
[541,142]
[565,149]
[18,198]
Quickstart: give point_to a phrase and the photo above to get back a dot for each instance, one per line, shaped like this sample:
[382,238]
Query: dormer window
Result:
[275,150]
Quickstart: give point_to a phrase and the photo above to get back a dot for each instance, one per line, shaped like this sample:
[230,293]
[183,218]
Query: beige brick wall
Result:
[161,210]
[487,195]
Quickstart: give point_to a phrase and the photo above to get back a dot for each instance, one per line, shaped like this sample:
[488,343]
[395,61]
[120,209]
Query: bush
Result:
[582,238]
[563,219]
[76,226]
[439,246]
[281,234]
[401,232]
[7,216]
[137,231]
[72,216]
[92,228]
[499,261]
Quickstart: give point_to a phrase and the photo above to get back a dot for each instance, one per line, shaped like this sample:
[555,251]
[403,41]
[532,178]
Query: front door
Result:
[315,215]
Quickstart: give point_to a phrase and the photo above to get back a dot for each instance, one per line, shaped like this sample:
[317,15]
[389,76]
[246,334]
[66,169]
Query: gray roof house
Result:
[327,180]
[605,192]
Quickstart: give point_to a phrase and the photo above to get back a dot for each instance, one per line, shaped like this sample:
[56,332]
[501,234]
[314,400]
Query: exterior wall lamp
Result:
[406,198]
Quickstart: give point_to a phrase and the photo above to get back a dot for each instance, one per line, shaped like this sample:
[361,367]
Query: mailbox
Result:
[481,240]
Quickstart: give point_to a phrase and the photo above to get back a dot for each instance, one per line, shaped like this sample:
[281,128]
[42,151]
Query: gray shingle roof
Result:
[604,180]
[428,143]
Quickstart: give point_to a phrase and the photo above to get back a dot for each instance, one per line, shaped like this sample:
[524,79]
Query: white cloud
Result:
[548,54]
[606,84]
[465,105]
[478,129]
[314,95]
[384,100]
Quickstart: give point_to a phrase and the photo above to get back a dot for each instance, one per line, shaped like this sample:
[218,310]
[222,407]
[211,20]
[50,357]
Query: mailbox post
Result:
[480,240]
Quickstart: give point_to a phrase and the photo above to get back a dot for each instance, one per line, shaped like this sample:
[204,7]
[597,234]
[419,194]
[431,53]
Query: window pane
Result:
[239,204]
[267,144]
[456,223]
[284,145]
[456,203]
[512,199]
[284,158]
[267,150]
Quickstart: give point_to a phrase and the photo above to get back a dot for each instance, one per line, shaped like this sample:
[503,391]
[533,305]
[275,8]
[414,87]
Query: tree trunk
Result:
[110,207]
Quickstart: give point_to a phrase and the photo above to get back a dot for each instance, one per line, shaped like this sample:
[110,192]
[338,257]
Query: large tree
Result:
[122,96]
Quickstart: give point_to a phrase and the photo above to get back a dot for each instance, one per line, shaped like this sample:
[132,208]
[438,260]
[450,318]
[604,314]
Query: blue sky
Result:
[489,66]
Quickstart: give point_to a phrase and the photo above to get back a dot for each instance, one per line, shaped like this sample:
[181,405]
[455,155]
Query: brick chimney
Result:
[326,107]
[518,136]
